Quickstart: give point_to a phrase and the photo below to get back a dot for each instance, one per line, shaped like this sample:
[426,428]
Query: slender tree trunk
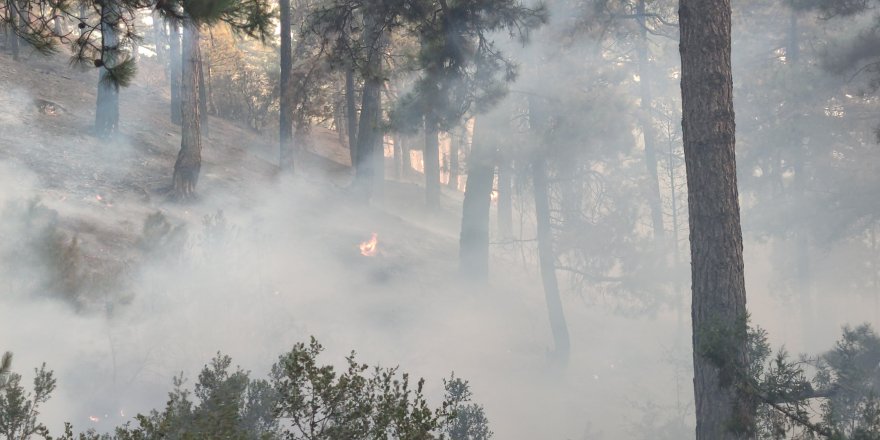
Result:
[107,109]
[12,39]
[454,143]
[505,198]
[647,123]
[286,101]
[432,162]
[161,39]
[189,160]
[676,254]
[59,23]
[405,159]
[717,279]
[351,113]
[547,259]
[174,71]
[473,244]
[398,157]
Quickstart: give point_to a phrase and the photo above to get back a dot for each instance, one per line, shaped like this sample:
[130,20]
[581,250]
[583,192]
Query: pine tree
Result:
[286,90]
[724,411]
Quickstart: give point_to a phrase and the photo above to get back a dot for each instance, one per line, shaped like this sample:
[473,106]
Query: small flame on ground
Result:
[371,247]
[94,419]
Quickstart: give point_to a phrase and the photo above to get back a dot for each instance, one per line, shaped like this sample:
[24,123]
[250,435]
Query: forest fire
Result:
[371,247]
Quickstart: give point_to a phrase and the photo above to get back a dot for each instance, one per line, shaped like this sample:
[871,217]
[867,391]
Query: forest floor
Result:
[280,263]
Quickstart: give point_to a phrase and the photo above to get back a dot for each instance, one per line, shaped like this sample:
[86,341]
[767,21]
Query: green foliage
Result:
[121,74]
[318,403]
[303,399]
[5,368]
[19,409]
[467,420]
[846,385]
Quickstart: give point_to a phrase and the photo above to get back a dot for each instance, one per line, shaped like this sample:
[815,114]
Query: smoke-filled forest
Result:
[439,219]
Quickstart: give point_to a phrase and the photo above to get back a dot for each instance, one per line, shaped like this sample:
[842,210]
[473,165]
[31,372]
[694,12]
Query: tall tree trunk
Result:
[203,98]
[718,284]
[398,156]
[473,243]
[379,166]
[505,199]
[647,123]
[547,260]
[405,159]
[369,132]
[107,108]
[286,92]
[12,39]
[351,113]
[455,137]
[174,71]
[189,160]
[432,162]
[160,38]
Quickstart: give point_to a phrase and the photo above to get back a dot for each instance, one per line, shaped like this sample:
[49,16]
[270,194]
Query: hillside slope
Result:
[258,262]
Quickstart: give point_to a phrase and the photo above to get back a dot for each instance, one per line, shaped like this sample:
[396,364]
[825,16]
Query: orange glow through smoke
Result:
[369,248]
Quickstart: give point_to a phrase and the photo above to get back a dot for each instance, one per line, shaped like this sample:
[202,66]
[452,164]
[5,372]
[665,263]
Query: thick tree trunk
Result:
[286,92]
[647,123]
[547,259]
[351,113]
[203,98]
[505,198]
[432,162]
[369,132]
[174,71]
[454,144]
[107,108]
[189,160]
[473,243]
[718,283]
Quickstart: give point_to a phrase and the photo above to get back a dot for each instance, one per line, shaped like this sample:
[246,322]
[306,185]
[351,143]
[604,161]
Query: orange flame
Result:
[370,248]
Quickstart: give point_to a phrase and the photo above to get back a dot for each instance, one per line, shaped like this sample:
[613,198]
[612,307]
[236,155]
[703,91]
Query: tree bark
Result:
[405,159]
[718,283]
[161,38]
[454,143]
[647,123]
[107,106]
[432,162]
[398,157]
[473,243]
[369,132]
[174,72]
[189,160]
[286,92]
[203,97]
[351,113]
[12,38]
[547,260]
[505,199]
